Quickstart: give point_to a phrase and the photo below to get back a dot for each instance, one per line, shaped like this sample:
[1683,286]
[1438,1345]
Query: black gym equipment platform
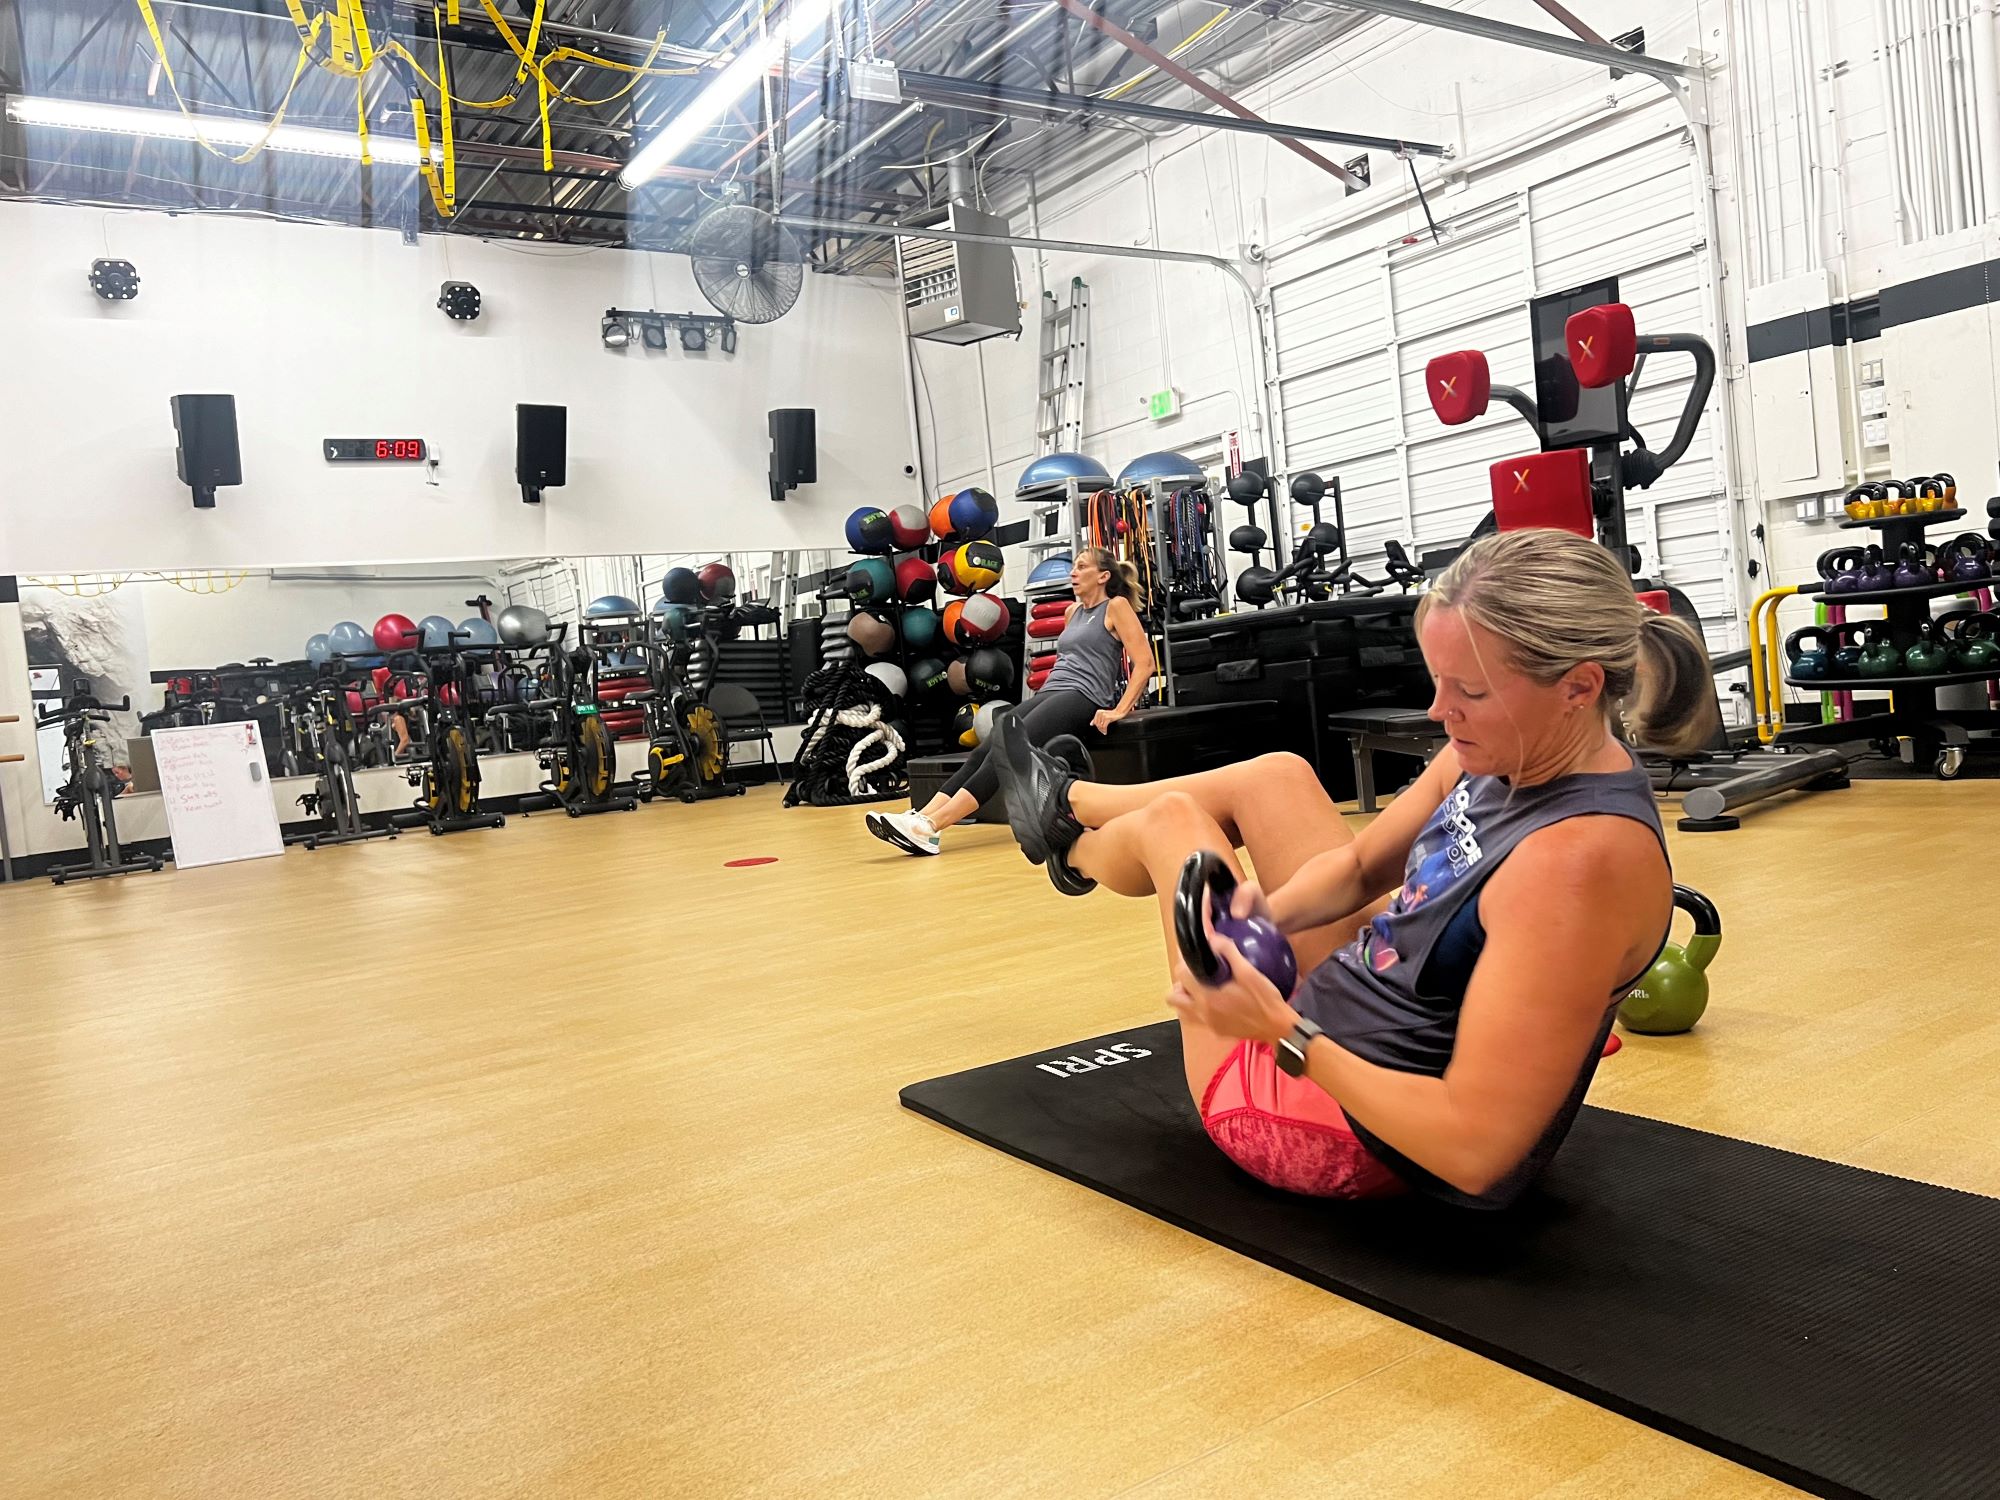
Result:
[1834,1328]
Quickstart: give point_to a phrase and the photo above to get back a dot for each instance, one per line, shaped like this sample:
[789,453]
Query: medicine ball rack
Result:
[1937,735]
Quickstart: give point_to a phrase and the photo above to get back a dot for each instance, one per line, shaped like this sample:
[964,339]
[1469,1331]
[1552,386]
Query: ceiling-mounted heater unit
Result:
[960,291]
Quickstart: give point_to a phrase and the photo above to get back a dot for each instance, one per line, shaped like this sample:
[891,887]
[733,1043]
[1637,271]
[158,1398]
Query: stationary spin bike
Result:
[90,789]
[324,720]
[580,757]
[448,785]
[685,758]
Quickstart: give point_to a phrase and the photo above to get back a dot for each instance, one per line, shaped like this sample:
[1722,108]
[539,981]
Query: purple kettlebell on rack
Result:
[1966,558]
[1875,574]
[1913,572]
[1207,873]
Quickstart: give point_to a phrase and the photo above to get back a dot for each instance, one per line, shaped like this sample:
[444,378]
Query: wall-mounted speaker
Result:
[206,455]
[794,449]
[541,449]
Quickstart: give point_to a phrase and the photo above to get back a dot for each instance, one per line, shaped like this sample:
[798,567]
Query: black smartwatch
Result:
[1291,1050]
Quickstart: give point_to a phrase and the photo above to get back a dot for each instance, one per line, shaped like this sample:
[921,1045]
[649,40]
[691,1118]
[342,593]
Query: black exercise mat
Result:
[1834,1328]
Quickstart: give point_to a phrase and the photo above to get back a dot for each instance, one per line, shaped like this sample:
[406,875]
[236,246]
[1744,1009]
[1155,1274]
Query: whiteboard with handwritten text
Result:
[218,796]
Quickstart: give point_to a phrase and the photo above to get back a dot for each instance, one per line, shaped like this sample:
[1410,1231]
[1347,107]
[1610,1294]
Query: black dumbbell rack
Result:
[1938,736]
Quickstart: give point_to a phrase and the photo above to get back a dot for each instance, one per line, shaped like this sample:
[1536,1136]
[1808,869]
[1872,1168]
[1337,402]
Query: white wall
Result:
[1805,169]
[323,332]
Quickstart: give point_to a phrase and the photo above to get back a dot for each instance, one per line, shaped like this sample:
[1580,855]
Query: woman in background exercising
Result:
[1087,689]
[1464,953]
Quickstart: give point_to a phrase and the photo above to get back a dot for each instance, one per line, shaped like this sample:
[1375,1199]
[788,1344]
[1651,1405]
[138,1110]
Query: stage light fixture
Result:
[694,338]
[459,301]
[654,331]
[114,280]
[728,339]
[617,333]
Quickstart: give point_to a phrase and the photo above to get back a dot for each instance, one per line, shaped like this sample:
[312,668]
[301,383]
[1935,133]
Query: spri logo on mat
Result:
[1107,1057]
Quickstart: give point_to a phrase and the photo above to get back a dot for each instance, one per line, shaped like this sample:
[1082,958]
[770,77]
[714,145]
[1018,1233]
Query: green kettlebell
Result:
[1969,637]
[1928,656]
[1880,658]
[1671,995]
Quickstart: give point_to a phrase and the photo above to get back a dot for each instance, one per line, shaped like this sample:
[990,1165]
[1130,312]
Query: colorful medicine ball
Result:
[869,530]
[965,725]
[890,676]
[927,676]
[920,628]
[940,518]
[348,639]
[976,565]
[947,575]
[717,582]
[871,581]
[977,621]
[915,582]
[910,526]
[871,633]
[673,618]
[982,719]
[395,633]
[974,514]
[989,672]
[680,586]
[956,680]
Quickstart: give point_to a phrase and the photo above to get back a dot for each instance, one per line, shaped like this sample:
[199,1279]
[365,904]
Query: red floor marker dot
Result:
[744,864]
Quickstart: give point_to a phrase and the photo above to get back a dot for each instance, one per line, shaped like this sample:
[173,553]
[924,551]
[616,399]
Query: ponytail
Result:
[1672,707]
[1121,578]
[1558,599]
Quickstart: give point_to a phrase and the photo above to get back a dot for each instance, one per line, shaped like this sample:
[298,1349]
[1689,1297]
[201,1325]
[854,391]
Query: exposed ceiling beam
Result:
[1083,12]
[997,98]
[1473,24]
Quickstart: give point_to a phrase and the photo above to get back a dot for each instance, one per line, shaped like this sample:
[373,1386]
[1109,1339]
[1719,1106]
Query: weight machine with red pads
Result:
[1589,356]
[1588,360]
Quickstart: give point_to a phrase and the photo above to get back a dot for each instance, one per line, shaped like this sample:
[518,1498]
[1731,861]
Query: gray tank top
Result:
[1089,658]
[1394,994]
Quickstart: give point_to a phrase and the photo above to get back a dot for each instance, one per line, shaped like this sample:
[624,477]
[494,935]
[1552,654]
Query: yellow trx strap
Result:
[361,119]
[251,151]
[444,121]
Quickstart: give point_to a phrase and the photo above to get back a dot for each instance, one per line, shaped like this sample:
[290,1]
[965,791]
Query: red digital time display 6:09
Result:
[376,450]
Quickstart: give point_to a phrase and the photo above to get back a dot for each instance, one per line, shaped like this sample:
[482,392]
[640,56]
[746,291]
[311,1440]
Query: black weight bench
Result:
[1398,731]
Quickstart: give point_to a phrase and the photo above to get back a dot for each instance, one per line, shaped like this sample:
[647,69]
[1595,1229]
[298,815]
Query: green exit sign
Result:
[1163,404]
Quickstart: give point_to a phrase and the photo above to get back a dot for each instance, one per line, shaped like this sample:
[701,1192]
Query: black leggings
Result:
[1042,718]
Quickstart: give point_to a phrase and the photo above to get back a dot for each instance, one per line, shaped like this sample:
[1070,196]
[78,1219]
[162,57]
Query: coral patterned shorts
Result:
[1288,1131]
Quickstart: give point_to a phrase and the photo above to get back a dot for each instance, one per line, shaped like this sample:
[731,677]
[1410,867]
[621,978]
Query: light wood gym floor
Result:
[562,1161]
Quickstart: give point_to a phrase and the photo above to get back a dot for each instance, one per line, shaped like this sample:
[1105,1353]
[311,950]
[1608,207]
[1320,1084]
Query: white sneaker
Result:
[907,831]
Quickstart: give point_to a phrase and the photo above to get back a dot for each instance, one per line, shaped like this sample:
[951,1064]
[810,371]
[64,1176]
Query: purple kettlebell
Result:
[1257,939]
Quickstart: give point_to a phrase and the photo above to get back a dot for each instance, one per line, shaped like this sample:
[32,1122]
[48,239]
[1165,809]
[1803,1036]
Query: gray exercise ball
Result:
[522,625]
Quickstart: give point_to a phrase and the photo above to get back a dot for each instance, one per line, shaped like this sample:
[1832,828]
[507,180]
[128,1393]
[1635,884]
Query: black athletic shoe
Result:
[1036,786]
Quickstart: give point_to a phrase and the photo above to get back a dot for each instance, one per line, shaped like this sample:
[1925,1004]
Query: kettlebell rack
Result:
[1938,735]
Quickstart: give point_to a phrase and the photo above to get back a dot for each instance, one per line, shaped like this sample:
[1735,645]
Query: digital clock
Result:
[376,450]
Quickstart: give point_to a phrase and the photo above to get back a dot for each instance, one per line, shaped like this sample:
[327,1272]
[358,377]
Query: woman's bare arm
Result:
[1343,881]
